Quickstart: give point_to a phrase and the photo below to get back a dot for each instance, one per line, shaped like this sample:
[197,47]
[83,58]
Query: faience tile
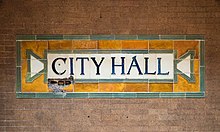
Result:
[80,72]
[60,65]
[18,79]
[25,37]
[119,70]
[86,87]
[202,53]
[49,37]
[202,78]
[195,37]
[110,44]
[102,37]
[183,85]
[148,37]
[172,95]
[135,44]
[124,95]
[166,66]
[150,66]
[161,44]
[126,37]
[172,37]
[134,66]
[100,95]
[18,53]
[37,47]
[104,72]
[163,87]
[76,37]
[84,44]
[69,88]
[65,44]
[136,87]
[148,95]
[183,46]
[77,95]
[54,45]
[195,95]
[111,87]
[25,95]
[37,85]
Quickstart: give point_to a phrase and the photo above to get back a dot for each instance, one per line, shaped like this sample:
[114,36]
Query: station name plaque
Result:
[110,66]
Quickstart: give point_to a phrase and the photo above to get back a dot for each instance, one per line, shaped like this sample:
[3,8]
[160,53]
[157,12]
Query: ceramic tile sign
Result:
[110,66]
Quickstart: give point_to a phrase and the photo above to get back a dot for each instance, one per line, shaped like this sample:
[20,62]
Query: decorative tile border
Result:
[109,37]
[199,38]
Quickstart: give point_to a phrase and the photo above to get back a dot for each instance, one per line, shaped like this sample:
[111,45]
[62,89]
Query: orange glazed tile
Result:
[54,45]
[37,47]
[135,44]
[161,87]
[84,44]
[111,87]
[183,85]
[183,46]
[196,66]
[60,44]
[136,87]
[86,87]
[69,88]
[161,44]
[110,44]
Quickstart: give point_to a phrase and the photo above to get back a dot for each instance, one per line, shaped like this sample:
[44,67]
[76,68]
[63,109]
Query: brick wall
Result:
[109,17]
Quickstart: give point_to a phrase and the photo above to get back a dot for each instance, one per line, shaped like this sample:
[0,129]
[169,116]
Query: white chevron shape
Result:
[184,66]
[35,66]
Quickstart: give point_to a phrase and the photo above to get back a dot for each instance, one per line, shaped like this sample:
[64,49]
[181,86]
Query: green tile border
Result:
[195,37]
[26,37]
[102,37]
[49,37]
[172,37]
[202,79]
[110,37]
[18,79]
[76,37]
[113,95]
[148,37]
[202,53]
[18,54]
[126,37]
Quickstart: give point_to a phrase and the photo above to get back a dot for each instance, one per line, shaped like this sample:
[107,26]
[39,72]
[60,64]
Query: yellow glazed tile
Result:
[111,87]
[84,44]
[136,87]
[159,87]
[183,46]
[110,44]
[161,44]
[196,66]
[60,44]
[86,87]
[68,88]
[135,44]
[54,45]
[37,47]
[183,85]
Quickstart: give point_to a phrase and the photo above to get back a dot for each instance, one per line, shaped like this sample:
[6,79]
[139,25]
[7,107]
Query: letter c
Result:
[54,68]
